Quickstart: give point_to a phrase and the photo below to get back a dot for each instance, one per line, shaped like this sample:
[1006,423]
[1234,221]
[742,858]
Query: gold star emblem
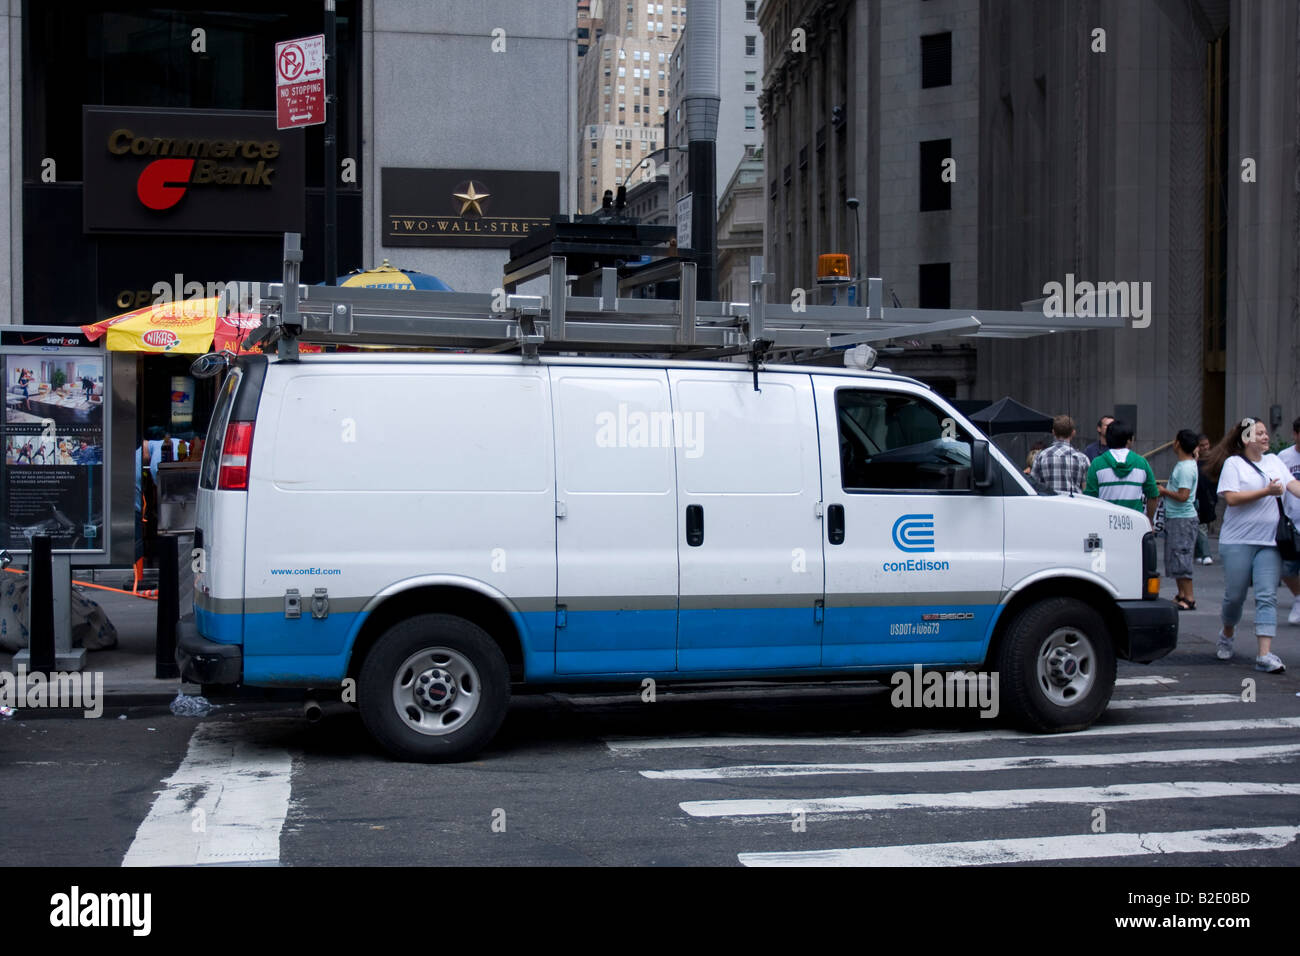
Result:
[470,199]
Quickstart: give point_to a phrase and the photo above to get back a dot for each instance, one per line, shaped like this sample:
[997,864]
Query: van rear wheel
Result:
[434,688]
[1057,666]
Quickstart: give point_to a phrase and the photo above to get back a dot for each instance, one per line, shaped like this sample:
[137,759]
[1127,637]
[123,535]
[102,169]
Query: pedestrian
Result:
[1120,475]
[1180,519]
[1033,454]
[1096,448]
[1249,479]
[1062,467]
[1207,501]
[1290,457]
[25,376]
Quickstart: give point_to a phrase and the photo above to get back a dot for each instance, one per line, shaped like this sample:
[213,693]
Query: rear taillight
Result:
[235,450]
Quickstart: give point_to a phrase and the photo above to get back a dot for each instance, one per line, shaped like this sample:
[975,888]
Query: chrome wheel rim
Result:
[436,691]
[1067,666]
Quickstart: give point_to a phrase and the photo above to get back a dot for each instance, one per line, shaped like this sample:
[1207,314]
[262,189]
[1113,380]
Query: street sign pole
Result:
[331,149]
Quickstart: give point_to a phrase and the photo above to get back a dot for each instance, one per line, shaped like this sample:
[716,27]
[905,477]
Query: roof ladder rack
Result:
[531,325]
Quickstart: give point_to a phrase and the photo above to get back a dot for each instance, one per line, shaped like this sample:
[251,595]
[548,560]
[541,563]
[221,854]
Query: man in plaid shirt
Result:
[1061,467]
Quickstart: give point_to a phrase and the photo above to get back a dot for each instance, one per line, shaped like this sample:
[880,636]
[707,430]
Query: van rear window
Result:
[217,431]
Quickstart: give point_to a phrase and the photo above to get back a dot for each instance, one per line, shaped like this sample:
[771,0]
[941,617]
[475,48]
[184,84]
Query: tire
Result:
[434,688]
[1057,666]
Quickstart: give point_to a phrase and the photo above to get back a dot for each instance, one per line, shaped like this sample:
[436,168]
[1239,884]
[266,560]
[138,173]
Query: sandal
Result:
[1184,604]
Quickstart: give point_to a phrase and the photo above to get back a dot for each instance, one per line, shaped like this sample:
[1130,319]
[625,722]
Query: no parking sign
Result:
[300,82]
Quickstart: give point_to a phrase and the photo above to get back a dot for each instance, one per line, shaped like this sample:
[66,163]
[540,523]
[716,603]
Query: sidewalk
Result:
[129,678]
[128,669]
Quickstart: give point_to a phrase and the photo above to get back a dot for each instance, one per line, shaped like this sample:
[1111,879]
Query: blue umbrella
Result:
[386,276]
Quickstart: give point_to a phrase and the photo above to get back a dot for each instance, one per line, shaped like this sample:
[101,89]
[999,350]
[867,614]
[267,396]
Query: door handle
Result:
[835,524]
[695,525]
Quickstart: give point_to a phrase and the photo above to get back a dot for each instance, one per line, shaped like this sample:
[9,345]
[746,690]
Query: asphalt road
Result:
[1180,770]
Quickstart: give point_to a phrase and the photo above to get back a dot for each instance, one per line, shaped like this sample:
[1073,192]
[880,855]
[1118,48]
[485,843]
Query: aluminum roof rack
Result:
[604,323]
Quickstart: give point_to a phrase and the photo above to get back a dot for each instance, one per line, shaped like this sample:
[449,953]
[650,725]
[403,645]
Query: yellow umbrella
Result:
[185,327]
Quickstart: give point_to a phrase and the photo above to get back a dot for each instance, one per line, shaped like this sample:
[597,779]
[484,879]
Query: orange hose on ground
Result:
[150,595]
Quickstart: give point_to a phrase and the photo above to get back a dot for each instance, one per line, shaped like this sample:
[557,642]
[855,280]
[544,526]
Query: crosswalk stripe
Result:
[636,744]
[981,764]
[986,799]
[242,790]
[1139,681]
[1175,700]
[1037,849]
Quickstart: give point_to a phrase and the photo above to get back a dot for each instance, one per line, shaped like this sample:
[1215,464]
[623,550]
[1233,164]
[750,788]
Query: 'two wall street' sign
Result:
[465,208]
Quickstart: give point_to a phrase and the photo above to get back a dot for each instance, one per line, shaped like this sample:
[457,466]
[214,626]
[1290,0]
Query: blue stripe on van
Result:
[284,652]
[221,628]
[759,638]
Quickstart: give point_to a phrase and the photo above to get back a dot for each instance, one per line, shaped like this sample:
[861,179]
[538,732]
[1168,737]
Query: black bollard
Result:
[40,626]
[168,608]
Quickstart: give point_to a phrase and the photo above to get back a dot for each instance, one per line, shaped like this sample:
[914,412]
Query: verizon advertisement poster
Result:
[210,171]
[52,472]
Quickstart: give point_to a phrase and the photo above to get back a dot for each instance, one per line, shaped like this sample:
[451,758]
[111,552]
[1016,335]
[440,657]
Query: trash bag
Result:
[196,706]
[91,627]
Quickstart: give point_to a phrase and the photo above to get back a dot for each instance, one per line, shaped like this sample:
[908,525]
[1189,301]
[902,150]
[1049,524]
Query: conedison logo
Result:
[914,534]
[73,691]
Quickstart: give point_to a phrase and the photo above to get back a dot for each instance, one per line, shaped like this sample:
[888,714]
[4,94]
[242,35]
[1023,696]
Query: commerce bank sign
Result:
[190,171]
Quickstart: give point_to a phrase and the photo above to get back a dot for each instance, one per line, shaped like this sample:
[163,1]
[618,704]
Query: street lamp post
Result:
[650,155]
[853,203]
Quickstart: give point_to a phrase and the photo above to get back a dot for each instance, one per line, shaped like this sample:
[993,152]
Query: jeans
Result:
[1244,565]
[1202,541]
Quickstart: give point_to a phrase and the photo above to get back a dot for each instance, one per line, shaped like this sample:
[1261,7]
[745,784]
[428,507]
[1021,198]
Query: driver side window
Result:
[890,441]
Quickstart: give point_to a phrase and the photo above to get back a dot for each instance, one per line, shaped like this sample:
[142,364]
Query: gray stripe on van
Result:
[918,599]
[630,602]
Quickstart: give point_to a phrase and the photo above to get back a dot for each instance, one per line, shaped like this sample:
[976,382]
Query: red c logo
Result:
[153,188]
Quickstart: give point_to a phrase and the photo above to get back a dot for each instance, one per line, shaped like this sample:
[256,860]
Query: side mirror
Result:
[982,464]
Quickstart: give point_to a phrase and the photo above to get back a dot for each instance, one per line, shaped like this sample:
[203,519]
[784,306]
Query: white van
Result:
[444,528]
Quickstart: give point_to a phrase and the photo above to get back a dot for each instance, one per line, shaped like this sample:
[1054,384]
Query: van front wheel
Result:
[1057,666]
[434,688]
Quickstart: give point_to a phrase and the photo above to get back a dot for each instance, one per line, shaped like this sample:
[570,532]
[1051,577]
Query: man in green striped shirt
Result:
[1121,475]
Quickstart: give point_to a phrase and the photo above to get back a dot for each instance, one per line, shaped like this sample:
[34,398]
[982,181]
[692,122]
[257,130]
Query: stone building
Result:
[623,93]
[999,148]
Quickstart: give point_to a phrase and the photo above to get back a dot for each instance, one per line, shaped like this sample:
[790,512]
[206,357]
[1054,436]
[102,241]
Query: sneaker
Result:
[1223,650]
[1294,616]
[1207,560]
[1270,664]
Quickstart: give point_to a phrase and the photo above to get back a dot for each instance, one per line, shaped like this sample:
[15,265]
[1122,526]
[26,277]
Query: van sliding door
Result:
[747,510]
[616,525]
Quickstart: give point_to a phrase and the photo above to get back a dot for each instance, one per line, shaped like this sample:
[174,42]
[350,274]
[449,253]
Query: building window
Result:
[934,285]
[751,81]
[751,9]
[751,118]
[645,91]
[751,45]
[935,193]
[936,60]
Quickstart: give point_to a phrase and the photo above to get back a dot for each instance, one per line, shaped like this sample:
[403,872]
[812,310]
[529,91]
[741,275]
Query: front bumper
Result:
[206,662]
[1152,628]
